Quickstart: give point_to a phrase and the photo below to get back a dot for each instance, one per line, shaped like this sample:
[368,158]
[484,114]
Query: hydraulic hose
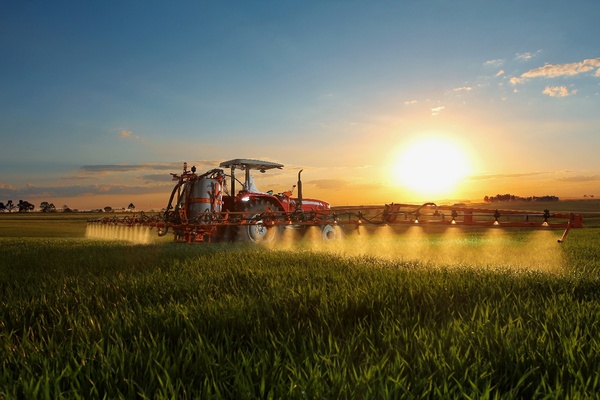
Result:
[167,210]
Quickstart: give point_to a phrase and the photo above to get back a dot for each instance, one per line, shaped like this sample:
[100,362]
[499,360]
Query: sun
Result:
[431,166]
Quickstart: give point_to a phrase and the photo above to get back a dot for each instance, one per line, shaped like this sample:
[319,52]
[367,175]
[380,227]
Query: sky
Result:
[377,101]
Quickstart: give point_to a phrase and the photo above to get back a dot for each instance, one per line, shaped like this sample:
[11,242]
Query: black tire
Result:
[255,231]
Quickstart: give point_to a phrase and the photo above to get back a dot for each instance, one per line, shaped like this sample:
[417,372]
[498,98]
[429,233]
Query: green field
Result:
[449,314]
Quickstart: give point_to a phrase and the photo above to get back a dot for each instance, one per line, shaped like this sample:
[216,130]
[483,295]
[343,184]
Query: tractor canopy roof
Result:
[247,164]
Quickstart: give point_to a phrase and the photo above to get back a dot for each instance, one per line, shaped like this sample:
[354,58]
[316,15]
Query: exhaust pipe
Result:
[299,201]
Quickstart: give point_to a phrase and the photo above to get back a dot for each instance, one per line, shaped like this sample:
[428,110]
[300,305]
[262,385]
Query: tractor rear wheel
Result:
[256,230]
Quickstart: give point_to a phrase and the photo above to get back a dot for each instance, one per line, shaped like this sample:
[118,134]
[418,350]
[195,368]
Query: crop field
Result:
[450,313]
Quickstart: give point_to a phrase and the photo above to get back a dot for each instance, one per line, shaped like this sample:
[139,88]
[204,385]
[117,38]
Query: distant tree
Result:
[10,206]
[2,207]
[25,206]
[47,207]
[108,209]
[131,207]
[66,208]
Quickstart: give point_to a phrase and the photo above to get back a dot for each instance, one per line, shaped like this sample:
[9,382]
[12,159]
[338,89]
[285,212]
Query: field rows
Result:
[375,318]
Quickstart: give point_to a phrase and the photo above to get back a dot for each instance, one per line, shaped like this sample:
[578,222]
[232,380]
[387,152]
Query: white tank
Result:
[206,196]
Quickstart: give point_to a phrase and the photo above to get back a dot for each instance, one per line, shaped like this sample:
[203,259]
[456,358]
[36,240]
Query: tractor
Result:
[206,208]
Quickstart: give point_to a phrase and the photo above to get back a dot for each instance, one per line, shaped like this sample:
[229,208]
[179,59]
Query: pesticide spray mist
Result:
[493,248]
[133,234]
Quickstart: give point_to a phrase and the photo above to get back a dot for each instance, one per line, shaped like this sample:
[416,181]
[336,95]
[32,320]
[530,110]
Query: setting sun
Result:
[431,166]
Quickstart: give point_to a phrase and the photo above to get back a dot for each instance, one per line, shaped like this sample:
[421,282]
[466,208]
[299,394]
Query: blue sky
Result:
[100,101]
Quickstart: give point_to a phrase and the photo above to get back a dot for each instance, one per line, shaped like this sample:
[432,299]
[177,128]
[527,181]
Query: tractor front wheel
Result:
[255,229]
[331,233]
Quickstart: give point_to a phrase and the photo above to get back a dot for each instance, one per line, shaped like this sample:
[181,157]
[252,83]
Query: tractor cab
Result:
[247,165]
[249,194]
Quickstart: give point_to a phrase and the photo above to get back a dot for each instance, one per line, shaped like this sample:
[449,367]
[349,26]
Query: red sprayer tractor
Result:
[205,208]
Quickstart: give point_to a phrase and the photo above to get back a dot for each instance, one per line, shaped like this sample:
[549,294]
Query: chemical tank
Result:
[205,195]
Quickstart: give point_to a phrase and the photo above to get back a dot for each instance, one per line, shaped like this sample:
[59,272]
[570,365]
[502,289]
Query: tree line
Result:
[502,198]
[25,206]
[21,206]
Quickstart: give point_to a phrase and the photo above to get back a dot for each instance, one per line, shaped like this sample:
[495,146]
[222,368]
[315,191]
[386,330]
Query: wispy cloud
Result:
[408,102]
[524,56]
[127,134]
[554,176]
[504,176]
[330,184]
[78,178]
[156,178]
[83,190]
[341,184]
[463,89]
[4,186]
[436,110]
[201,165]
[558,91]
[110,168]
[500,73]
[580,178]
[554,71]
[494,63]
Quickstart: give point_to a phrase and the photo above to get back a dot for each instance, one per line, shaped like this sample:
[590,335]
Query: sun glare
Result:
[431,166]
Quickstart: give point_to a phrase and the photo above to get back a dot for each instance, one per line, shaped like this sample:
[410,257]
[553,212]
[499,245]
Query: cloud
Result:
[500,73]
[552,176]
[494,63]
[408,102]
[558,91]
[126,134]
[111,168]
[156,178]
[524,56]
[201,166]
[78,178]
[463,89]
[329,184]
[84,190]
[436,110]
[554,71]
[580,178]
[341,184]
[503,176]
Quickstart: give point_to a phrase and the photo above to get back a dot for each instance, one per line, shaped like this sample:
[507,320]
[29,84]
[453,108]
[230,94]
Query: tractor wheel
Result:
[331,233]
[257,231]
